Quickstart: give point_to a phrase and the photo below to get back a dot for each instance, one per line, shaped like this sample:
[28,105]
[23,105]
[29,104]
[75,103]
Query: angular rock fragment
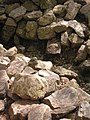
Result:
[30,6]
[59,10]
[2,10]
[85,66]
[53,46]
[33,15]
[64,39]
[3,83]
[52,79]
[45,32]
[60,26]
[72,9]
[3,17]
[18,13]
[75,40]
[4,62]
[84,111]
[47,18]
[77,27]
[2,105]
[16,66]
[82,53]
[29,86]
[10,22]
[88,46]
[20,109]
[31,30]
[11,52]
[63,72]
[28,70]
[46,4]
[40,112]
[2,50]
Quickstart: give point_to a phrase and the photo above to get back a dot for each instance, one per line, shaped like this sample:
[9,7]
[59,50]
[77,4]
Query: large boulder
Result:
[47,18]
[40,112]
[31,30]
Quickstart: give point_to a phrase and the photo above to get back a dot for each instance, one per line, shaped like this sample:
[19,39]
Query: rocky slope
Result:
[44,59]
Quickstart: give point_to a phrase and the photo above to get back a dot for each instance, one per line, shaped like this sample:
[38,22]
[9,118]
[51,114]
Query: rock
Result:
[75,40]
[11,22]
[47,4]
[2,10]
[60,26]
[82,53]
[85,66]
[85,10]
[4,62]
[64,39]
[62,101]
[7,33]
[18,13]
[53,46]
[29,86]
[47,65]
[3,83]
[65,100]
[16,66]
[61,1]
[2,105]
[3,17]
[20,109]
[3,117]
[10,7]
[2,50]
[88,46]
[77,27]
[84,111]
[33,15]
[59,10]
[45,33]
[30,6]
[21,29]
[40,112]
[72,9]
[11,52]
[63,72]
[64,119]
[52,79]
[47,18]
[28,70]
[37,2]
[31,30]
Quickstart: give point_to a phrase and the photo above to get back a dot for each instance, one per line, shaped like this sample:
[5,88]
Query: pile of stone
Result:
[31,89]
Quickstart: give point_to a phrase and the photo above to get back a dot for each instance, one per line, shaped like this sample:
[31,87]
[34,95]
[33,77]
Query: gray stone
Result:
[52,79]
[20,109]
[72,9]
[88,46]
[10,7]
[29,86]
[46,4]
[10,22]
[2,105]
[21,29]
[47,18]
[82,53]
[45,32]
[64,39]
[3,17]
[2,10]
[28,70]
[30,6]
[85,10]
[40,112]
[53,46]
[33,15]
[77,27]
[3,83]
[59,10]
[37,2]
[31,30]
[65,72]
[11,52]
[18,13]
[84,111]
[60,26]
[75,40]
